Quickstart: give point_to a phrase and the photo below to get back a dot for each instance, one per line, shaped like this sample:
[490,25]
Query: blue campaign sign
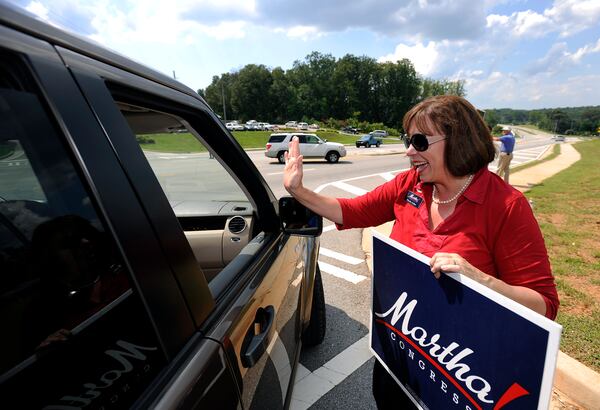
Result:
[453,343]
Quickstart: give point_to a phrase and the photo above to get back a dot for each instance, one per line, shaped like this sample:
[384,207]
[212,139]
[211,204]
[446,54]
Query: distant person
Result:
[449,207]
[507,145]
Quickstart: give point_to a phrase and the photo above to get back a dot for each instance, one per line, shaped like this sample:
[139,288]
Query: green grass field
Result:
[247,139]
[567,207]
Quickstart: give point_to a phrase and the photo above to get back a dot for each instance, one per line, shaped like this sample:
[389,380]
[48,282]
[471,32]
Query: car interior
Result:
[213,211]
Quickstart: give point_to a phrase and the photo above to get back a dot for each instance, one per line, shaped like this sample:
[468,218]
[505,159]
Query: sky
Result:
[519,54]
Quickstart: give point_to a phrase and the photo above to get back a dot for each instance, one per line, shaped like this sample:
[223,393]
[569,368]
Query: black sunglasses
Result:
[419,141]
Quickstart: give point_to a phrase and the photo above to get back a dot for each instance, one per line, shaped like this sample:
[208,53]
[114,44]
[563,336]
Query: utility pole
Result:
[174,76]
[223,98]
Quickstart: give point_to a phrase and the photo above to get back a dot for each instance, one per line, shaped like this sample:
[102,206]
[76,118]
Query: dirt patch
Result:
[557,219]
[582,284]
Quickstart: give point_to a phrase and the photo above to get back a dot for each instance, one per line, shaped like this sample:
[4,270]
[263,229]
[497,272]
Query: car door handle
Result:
[258,336]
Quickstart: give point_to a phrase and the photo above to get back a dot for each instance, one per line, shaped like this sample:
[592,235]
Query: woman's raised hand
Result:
[292,173]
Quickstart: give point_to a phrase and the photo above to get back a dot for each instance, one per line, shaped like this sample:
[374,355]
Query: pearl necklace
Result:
[455,197]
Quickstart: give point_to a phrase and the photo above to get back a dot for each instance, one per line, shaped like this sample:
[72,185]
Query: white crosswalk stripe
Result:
[340,256]
[341,273]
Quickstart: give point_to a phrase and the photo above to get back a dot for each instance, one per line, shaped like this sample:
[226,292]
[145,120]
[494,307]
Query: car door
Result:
[310,147]
[81,325]
[192,191]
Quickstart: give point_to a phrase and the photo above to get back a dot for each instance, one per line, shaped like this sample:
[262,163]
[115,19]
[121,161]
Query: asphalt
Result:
[575,385]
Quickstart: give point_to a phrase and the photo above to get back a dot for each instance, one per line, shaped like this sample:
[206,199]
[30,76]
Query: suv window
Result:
[276,138]
[62,278]
[311,139]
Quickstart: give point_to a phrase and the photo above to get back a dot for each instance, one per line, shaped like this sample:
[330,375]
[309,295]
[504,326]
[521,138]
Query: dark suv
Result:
[144,262]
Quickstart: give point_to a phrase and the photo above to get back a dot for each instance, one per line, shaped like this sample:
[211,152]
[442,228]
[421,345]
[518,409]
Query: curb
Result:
[580,383]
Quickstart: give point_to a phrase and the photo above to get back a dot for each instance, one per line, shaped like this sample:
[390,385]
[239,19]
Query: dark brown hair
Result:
[469,144]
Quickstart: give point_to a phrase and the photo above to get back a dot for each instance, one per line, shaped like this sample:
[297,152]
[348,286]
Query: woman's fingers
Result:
[293,147]
[446,262]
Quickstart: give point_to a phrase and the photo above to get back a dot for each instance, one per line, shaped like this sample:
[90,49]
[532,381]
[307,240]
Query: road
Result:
[337,374]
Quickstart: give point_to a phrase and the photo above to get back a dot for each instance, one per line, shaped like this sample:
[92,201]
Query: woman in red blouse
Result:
[449,207]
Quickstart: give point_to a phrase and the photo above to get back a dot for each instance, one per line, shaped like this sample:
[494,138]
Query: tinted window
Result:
[277,138]
[65,294]
[311,139]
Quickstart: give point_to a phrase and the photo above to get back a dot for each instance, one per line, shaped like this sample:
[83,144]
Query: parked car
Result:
[265,126]
[311,146]
[133,278]
[313,127]
[291,124]
[559,138]
[252,125]
[302,126]
[234,126]
[350,130]
[368,141]
[379,133]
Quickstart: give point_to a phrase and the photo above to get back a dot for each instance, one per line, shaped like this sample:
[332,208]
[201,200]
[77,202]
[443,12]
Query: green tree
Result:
[399,90]
[281,97]
[218,95]
[312,80]
[250,91]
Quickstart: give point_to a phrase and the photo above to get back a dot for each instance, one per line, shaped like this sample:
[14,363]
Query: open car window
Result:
[213,210]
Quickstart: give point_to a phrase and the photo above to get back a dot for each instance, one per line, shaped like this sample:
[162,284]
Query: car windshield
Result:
[365,138]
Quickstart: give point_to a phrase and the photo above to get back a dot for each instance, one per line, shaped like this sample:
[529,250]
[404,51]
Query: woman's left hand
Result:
[453,262]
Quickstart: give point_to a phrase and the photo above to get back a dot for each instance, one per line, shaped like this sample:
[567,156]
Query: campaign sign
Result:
[452,343]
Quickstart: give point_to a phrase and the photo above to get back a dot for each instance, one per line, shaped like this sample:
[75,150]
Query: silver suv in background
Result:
[379,133]
[311,146]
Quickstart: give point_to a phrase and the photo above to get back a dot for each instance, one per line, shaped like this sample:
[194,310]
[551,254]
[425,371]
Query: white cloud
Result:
[567,17]
[301,32]
[573,16]
[560,59]
[500,90]
[585,50]
[423,57]
[38,9]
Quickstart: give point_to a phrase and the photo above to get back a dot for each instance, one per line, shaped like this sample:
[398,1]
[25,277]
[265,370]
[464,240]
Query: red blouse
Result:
[492,227]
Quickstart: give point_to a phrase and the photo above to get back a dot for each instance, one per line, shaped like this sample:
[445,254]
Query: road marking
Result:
[329,228]
[322,187]
[281,173]
[341,273]
[349,188]
[310,387]
[340,256]
[388,176]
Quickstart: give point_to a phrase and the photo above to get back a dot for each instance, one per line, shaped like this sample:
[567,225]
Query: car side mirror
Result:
[296,219]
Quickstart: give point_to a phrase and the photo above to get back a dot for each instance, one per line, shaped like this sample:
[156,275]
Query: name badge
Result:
[413,199]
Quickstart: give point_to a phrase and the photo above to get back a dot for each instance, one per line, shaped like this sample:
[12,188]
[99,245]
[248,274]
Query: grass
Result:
[567,207]
[186,142]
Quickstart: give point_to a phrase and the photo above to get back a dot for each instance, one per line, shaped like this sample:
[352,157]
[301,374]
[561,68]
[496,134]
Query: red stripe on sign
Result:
[432,361]
[514,392]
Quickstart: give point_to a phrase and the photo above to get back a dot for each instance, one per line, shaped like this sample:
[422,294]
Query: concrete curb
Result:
[575,385]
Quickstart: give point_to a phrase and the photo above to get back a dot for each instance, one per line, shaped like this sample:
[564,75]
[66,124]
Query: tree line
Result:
[321,87]
[569,120]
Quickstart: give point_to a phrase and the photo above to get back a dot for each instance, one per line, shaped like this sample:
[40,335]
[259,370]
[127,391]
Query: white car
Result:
[267,127]
[311,146]
[291,124]
[234,126]
[302,126]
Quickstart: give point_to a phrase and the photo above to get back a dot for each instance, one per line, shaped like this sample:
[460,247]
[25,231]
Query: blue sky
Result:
[511,53]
